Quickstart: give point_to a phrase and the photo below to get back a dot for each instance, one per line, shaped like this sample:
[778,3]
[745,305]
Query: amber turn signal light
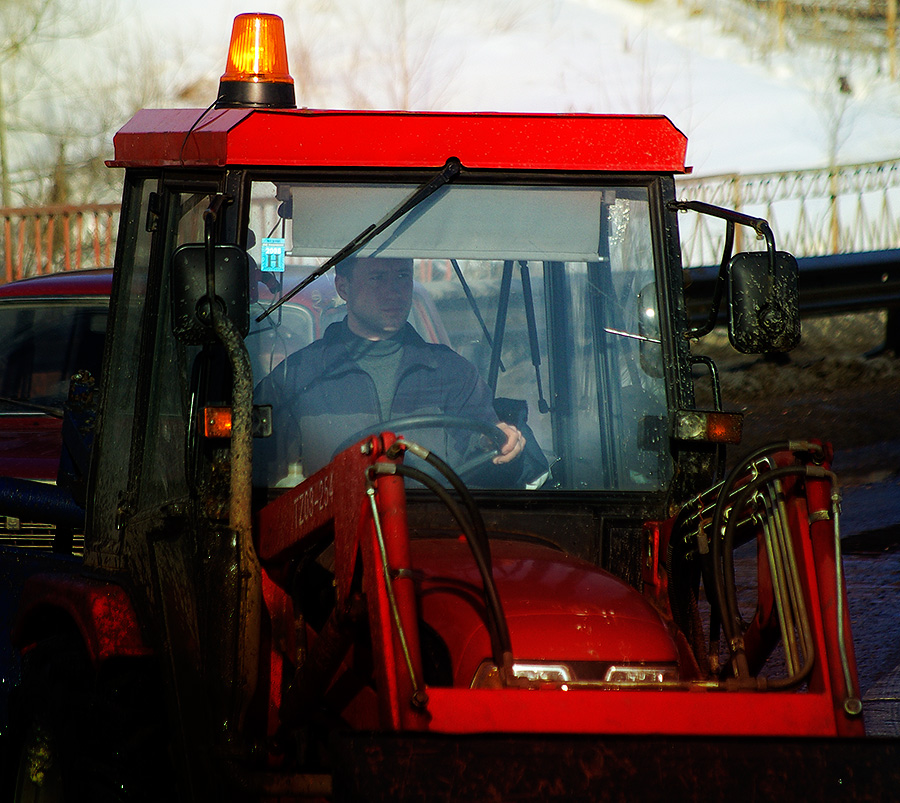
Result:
[217,422]
[708,426]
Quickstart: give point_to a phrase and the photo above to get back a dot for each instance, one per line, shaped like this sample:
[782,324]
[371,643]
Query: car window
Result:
[43,343]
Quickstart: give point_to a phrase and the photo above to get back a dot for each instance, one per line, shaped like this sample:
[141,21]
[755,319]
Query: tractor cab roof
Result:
[480,140]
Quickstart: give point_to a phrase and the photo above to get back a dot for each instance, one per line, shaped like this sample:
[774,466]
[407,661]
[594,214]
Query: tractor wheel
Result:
[86,735]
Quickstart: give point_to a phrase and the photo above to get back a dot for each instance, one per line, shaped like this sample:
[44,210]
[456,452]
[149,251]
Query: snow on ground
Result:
[745,105]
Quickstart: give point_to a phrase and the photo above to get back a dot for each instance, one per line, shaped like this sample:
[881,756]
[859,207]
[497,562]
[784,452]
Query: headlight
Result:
[641,675]
[539,671]
[578,674]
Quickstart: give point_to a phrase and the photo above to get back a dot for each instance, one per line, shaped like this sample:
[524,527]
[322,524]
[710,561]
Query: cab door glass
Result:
[115,435]
[171,413]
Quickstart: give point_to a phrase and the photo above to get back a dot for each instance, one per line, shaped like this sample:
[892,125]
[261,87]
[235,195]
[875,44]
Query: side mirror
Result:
[765,303]
[190,301]
[648,329]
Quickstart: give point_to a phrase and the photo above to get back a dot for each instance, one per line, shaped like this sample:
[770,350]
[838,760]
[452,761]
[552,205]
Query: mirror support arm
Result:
[731,217]
[758,224]
[210,218]
[719,290]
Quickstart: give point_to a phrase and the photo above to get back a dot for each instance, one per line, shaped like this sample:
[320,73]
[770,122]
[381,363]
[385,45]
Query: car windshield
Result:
[42,343]
[529,305]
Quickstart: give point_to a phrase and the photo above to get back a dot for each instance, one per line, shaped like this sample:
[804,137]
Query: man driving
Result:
[373,367]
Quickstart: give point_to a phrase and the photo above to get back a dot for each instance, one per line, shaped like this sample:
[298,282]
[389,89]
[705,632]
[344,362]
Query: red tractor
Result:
[503,566]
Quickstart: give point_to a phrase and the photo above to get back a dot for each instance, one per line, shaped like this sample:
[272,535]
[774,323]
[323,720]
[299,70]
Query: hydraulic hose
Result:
[852,703]
[459,486]
[725,491]
[731,621]
[249,570]
[793,614]
[479,544]
[497,628]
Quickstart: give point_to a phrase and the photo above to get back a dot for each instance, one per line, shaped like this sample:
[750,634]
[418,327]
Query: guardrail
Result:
[829,285]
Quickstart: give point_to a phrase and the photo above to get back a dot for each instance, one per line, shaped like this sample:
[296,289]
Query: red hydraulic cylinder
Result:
[393,614]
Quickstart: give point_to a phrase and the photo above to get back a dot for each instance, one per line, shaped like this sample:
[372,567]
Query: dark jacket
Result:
[321,397]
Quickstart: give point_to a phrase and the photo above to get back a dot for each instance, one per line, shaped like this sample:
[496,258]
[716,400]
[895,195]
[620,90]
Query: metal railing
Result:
[45,239]
[839,210]
[845,209]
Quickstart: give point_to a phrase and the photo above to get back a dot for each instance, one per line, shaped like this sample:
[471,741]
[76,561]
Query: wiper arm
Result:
[448,173]
[55,412]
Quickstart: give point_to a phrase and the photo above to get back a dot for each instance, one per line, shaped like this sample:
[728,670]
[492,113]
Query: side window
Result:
[29,371]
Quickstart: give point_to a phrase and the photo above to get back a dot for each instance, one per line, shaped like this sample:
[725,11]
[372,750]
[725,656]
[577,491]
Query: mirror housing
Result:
[764,313]
[191,321]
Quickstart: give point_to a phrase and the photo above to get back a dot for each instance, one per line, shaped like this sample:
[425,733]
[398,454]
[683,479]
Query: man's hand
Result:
[515,443]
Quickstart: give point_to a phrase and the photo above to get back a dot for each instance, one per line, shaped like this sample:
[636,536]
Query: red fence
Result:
[36,240]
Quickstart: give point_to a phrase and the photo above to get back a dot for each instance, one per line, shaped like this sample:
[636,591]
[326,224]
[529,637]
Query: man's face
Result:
[378,293]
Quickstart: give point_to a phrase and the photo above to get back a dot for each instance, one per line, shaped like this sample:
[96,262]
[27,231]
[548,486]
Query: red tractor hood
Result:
[558,608]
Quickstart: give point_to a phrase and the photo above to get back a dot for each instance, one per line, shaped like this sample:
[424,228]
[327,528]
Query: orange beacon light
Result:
[256,74]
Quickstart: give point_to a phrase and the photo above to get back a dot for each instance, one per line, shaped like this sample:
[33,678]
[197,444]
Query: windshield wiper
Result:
[55,412]
[448,173]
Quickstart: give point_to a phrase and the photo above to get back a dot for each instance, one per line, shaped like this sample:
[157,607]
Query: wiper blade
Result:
[448,173]
[55,412]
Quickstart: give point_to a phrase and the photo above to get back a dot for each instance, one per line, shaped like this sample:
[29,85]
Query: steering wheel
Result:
[496,436]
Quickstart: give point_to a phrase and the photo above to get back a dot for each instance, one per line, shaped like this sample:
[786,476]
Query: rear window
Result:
[43,343]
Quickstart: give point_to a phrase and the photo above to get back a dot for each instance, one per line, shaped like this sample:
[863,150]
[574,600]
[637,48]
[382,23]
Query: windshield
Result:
[529,308]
